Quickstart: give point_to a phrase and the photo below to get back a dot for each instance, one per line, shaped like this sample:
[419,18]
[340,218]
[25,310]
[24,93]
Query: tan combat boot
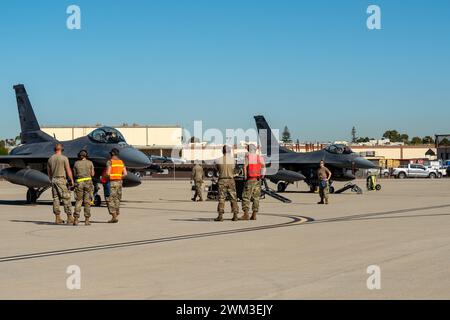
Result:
[58,219]
[235,217]
[113,219]
[87,222]
[219,217]
[253,217]
[76,221]
[69,219]
[245,216]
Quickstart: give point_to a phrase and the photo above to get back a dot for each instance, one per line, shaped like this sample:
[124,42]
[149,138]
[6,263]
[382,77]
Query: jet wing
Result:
[23,160]
[18,159]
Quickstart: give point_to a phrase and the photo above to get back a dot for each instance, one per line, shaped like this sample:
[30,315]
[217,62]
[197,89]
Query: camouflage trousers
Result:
[113,201]
[323,193]
[60,194]
[83,197]
[227,187]
[251,194]
[198,190]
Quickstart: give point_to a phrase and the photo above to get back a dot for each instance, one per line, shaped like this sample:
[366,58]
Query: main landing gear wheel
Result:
[97,200]
[32,195]
[281,187]
[331,189]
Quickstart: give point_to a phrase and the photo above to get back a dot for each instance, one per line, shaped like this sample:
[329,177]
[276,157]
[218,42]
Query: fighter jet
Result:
[28,161]
[294,166]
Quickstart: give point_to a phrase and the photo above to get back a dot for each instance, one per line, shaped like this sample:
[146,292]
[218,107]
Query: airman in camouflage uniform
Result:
[115,176]
[58,169]
[324,176]
[227,185]
[83,171]
[197,177]
[254,169]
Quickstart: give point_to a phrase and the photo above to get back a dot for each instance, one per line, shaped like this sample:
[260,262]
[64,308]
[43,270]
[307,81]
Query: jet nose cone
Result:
[134,159]
[362,163]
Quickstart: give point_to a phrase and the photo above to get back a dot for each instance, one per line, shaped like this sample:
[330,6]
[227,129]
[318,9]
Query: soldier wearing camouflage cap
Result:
[58,170]
[83,171]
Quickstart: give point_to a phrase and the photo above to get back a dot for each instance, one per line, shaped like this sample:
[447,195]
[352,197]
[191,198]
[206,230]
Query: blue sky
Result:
[310,65]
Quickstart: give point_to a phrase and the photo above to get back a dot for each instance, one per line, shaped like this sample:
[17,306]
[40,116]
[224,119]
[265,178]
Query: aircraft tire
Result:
[31,195]
[97,200]
[281,187]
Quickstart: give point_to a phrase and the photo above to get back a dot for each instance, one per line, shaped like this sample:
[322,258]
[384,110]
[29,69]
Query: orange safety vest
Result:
[116,170]
[254,166]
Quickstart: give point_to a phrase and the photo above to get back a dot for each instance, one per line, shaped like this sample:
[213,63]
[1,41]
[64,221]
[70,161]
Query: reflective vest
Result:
[116,170]
[254,166]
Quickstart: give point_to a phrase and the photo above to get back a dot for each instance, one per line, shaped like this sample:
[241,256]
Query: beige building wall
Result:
[165,136]
[141,136]
[134,136]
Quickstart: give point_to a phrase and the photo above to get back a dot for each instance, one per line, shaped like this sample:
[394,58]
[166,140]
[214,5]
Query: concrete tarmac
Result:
[168,247]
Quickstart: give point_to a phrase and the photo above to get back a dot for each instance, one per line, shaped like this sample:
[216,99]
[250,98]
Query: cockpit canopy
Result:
[339,149]
[107,135]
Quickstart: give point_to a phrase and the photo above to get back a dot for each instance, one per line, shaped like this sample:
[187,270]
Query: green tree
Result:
[427,140]
[444,142]
[392,135]
[353,135]
[416,140]
[3,150]
[404,138]
[396,136]
[360,140]
[286,135]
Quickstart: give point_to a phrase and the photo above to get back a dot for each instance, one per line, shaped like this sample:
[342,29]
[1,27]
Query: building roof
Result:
[118,127]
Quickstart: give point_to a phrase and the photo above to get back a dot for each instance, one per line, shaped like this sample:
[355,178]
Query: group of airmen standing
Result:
[80,179]
[254,172]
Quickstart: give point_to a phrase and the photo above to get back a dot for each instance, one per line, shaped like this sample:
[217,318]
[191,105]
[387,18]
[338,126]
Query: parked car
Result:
[414,171]
[441,171]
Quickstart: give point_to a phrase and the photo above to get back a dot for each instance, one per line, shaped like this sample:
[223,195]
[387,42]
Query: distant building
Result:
[155,140]
[442,142]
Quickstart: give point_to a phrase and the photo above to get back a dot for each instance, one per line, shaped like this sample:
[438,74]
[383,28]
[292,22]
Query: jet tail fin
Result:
[30,129]
[269,141]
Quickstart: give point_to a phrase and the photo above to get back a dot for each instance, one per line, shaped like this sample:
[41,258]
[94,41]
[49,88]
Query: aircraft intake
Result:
[26,177]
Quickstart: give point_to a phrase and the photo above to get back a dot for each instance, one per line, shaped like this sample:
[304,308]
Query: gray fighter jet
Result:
[28,162]
[295,166]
